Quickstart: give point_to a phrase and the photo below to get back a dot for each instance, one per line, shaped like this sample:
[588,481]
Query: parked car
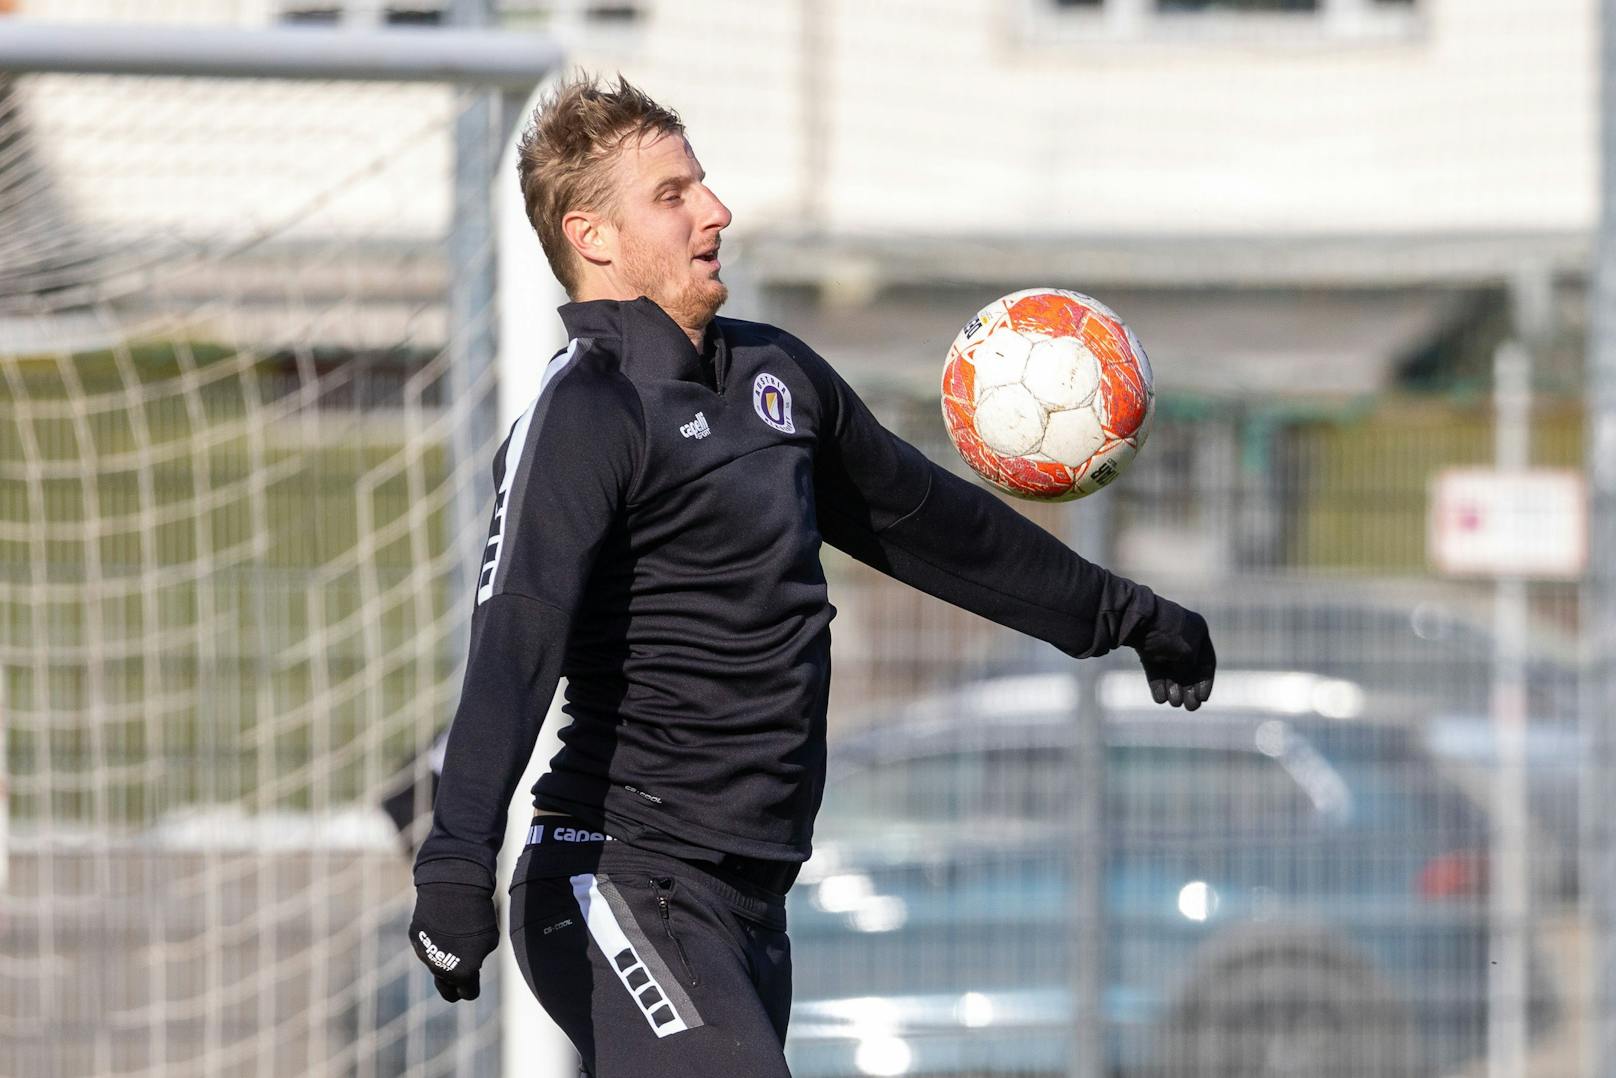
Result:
[1287,891]
[1554,756]
[1415,647]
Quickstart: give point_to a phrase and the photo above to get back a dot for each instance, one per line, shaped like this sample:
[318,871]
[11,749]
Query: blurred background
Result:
[265,314]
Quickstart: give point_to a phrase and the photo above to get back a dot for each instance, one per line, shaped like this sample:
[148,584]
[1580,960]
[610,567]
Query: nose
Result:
[718,215]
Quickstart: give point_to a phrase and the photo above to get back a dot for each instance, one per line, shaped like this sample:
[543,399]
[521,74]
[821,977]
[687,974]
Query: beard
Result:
[666,279]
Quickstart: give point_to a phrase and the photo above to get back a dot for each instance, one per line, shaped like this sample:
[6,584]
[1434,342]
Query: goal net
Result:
[234,516]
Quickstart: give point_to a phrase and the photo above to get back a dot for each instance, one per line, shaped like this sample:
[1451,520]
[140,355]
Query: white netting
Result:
[230,595]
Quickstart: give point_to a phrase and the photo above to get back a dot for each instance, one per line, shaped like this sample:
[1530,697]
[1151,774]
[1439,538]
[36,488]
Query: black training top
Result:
[655,540]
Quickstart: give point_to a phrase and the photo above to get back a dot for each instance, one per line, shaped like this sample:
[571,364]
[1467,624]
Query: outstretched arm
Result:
[883,502]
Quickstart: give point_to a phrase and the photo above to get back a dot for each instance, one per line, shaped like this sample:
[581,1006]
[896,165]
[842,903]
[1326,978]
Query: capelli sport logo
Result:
[772,402]
[697,428]
[440,958]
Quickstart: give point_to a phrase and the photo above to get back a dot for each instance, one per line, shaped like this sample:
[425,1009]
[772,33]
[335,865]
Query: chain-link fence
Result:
[237,491]
[237,485]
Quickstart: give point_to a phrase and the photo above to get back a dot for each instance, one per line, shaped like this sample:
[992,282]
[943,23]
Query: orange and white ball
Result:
[1047,394]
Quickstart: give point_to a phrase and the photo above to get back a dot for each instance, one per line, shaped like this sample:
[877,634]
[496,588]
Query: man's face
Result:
[667,223]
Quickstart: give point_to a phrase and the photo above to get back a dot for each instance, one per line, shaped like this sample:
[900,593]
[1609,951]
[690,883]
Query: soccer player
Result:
[659,513]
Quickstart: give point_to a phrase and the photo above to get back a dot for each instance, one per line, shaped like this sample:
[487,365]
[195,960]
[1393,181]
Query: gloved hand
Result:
[1176,650]
[453,930]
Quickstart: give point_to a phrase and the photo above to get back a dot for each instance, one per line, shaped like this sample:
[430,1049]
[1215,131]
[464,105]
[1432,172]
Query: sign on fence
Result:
[1530,523]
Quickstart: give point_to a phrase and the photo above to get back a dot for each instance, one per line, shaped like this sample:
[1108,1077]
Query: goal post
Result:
[503,60]
[252,371]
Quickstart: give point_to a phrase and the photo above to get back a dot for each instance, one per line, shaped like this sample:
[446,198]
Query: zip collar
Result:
[653,344]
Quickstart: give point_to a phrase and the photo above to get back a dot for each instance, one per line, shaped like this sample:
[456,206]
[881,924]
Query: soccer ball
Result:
[1047,394]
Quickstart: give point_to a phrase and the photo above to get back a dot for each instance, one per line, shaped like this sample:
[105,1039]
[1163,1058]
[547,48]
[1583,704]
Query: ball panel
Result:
[1107,340]
[999,360]
[961,423]
[1124,399]
[1105,466]
[1093,305]
[959,379]
[994,315]
[958,418]
[1139,356]
[1124,393]
[1073,436]
[1142,432]
[1036,478]
[1049,314]
[1009,420]
[1062,373]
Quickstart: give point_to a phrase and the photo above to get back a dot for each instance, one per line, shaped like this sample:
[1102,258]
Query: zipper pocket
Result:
[663,886]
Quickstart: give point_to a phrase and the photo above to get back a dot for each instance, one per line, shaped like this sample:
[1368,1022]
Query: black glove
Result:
[1176,650]
[453,930]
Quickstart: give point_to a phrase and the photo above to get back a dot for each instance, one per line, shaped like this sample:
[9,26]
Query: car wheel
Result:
[1313,1016]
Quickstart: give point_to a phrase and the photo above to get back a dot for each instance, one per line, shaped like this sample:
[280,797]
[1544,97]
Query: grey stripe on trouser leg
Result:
[658,994]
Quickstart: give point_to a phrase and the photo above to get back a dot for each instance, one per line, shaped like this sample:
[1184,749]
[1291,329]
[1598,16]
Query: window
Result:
[1236,5]
[1150,790]
[311,16]
[355,11]
[1000,788]
[1154,791]
[1241,20]
[409,16]
[436,12]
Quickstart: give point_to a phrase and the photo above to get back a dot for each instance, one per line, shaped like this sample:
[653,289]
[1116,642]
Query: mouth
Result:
[709,257]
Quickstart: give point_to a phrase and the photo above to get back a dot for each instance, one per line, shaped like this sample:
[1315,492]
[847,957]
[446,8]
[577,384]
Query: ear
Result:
[591,235]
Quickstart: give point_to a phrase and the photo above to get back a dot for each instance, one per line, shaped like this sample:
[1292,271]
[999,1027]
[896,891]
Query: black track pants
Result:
[653,967]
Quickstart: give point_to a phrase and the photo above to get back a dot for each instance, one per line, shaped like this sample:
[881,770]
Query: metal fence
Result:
[1297,879]
[232,501]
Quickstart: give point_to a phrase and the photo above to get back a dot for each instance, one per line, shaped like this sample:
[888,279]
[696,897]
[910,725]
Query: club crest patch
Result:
[772,401]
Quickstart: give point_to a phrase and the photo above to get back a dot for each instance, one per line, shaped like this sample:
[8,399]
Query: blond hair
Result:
[565,156]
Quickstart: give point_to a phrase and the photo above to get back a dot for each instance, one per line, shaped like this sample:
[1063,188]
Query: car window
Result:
[1152,790]
[1396,787]
[1411,800]
[1149,790]
[991,786]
